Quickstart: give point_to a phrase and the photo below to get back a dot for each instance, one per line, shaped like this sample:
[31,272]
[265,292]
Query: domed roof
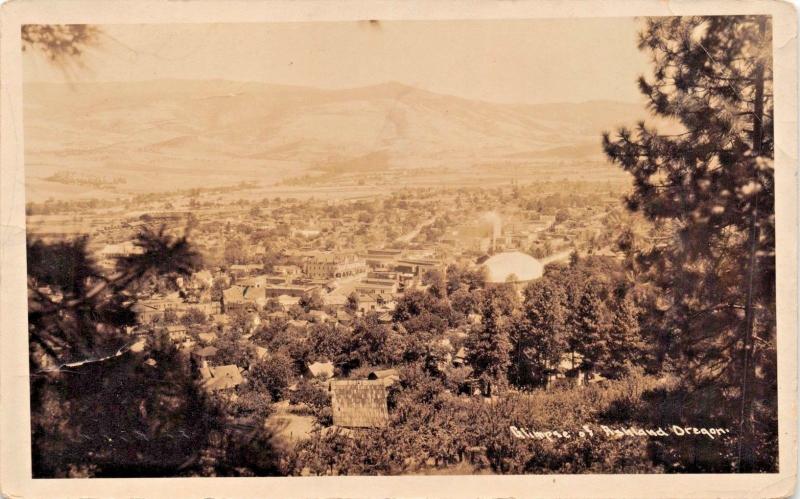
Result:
[503,265]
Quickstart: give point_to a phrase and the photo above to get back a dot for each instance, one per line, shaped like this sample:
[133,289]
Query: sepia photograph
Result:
[401,247]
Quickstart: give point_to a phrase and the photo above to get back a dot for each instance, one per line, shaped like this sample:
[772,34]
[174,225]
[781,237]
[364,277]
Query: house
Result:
[415,266]
[204,353]
[203,278]
[162,303]
[377,287]
[344,318]
[287,302]
[292,290]
[110,252]
[278,315]
[243,270]
[368,303]
[335,300]
[570,371]
[260,281]
[139,345]
[377,304]
[287,270]
[460,357]
[221,319]
[146,313]
[207,338]
[252,322]
[220,377]
[359,403]
[177,332]
[382,258]
[319,316]
[258,351]
[321,369]
[209,308]
[243,297]
[388,376]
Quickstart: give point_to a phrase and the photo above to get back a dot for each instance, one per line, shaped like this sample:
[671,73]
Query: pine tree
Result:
[489,344]
[591,334]
[81,362]
[712,187]
[625,345]
[539,337]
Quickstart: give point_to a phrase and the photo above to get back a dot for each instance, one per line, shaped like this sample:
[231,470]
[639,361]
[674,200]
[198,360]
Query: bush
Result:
[430,429]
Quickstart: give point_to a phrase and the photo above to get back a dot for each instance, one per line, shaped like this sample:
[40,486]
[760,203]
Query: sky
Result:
[519,61]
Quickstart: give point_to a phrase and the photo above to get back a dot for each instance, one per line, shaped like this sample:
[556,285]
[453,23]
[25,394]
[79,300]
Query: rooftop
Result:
[359,403]
[516,265]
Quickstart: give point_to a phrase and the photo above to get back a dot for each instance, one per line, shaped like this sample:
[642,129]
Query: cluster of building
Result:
[331,268]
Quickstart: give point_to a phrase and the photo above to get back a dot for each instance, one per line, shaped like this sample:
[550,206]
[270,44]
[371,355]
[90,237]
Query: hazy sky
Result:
[506,61]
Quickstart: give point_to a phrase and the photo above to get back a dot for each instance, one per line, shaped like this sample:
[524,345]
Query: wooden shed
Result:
[359,403]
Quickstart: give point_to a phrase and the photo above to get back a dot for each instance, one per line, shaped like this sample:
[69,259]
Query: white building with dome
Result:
[513,266]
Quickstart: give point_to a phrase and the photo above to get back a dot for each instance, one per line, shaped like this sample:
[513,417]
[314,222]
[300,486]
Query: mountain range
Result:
[163,134]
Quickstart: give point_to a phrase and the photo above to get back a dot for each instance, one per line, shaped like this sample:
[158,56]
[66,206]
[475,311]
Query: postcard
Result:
[380,249]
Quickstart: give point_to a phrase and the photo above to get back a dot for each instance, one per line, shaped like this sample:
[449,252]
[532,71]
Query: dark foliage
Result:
[710,193]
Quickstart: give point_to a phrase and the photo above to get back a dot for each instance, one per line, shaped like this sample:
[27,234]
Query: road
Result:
[407,237]
[556,257]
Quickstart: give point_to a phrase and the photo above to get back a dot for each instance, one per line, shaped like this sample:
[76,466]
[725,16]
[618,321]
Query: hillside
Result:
[169,133]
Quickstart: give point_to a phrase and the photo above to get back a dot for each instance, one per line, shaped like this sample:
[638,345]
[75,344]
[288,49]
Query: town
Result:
[292,292]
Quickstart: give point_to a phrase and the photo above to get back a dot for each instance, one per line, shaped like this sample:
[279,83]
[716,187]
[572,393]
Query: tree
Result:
[592,321]
[87,321]
[272,305]
[61,43]
[217,288]
[421,311]
[539,334]
[231,351]
[463,301]
[471,279]
[311,301]
[272,374]
[170,316]
[315,397]
[435,281]
[234,252]
[713,186]
[153,413]
[154,421]
[80,361]
[370,343]
[352,302]
[625,346]
[574,258]
[241,321]
[327,341]
[488,344]
[271,258]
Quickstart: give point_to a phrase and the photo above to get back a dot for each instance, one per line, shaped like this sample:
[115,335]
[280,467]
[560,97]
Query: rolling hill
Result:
[169,133]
